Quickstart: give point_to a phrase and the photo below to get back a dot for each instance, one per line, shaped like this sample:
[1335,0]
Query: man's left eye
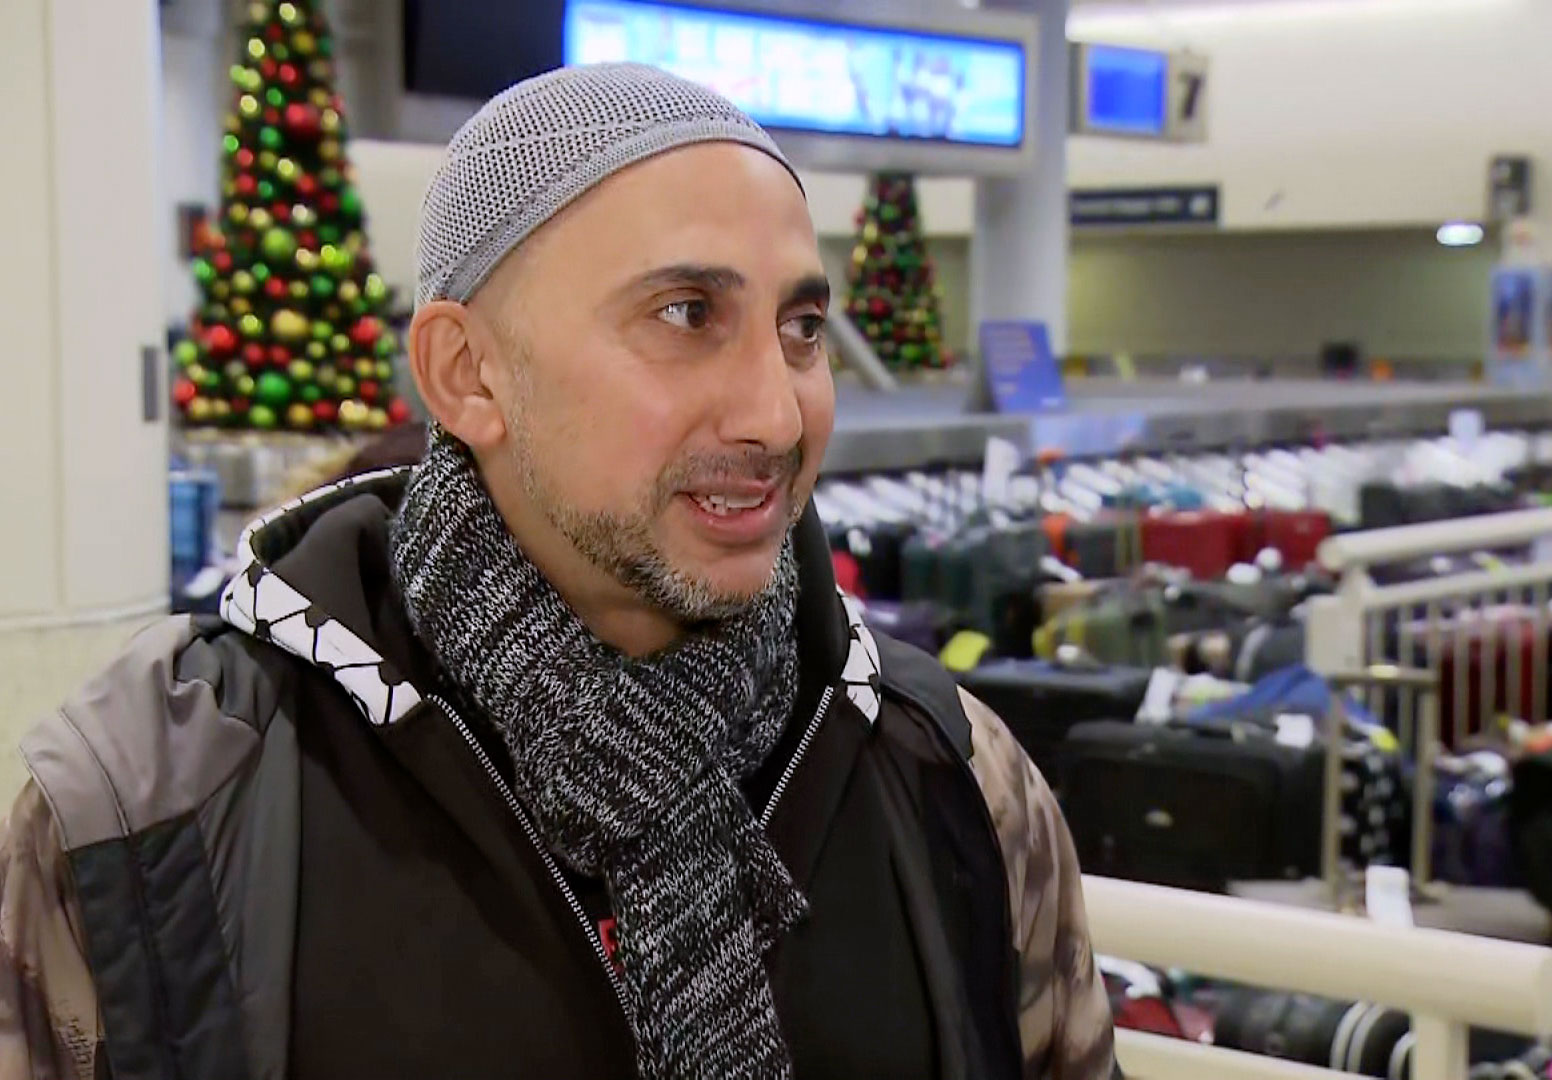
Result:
[686,314]
[807,329]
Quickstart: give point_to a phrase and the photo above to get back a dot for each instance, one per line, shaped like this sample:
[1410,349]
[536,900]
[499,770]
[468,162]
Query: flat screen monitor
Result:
[819,77]
[1124,91]
[474,49]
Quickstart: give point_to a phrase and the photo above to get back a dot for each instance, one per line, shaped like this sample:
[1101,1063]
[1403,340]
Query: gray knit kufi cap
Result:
[540,145]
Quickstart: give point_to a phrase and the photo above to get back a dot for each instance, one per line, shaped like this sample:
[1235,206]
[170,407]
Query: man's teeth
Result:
[728,504]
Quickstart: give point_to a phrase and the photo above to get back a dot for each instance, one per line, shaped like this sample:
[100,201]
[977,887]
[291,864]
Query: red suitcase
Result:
[1205,542]
[1295,533]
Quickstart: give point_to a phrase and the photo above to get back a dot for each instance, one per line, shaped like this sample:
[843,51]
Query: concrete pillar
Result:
[1018,254]
[83,442]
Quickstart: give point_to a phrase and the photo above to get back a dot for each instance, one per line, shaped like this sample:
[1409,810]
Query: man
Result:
[560,755]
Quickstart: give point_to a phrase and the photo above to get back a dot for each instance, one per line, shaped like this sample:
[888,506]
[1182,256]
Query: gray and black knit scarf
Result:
[629,768]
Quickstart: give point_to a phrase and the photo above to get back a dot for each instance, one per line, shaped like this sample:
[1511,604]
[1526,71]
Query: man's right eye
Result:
[686,314]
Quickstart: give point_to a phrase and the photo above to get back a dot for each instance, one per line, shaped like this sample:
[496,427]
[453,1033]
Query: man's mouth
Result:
[724,505]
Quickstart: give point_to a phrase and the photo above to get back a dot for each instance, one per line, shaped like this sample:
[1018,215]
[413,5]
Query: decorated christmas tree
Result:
[289,331]
[893,297]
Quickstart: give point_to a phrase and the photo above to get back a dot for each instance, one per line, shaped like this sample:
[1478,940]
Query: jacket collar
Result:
[322,542]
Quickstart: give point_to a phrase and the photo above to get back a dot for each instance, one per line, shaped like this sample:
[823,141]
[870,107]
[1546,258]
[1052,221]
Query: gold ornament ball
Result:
[365,369]
[232,123]
[329,150]
[220,290]
[248,106]
[268,160]
[344,385]
[352,414]
[243,283]
[289,16]
[306,260]
[349,292]
[384,370]
[196,373]
[869,233]
[286,169]
[319,98]
[377,419]
[340,343]
[256,50]
[299,416]
[298,290]
[859,255]
[330,122]
[220,409]
[200,410]
[303,43]
[257,13]
[317,350]
[301,370]
[245,386]
[288,325]
[241,306]
[260,219]
[303,216]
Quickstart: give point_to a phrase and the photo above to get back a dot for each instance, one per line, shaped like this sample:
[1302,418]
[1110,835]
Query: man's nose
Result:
[760,404]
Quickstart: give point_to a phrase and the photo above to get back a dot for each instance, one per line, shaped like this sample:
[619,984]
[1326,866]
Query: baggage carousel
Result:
[931,426]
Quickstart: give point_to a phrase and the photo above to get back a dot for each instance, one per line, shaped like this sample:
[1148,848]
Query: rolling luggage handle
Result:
[1423,687]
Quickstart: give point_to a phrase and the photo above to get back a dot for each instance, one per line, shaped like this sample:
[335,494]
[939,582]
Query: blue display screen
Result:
[1126,90]
[823,77]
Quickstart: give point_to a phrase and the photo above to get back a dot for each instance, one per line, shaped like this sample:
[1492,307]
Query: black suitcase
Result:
[1041,702]
[1341,1035]
[1107,547]
[1184,808]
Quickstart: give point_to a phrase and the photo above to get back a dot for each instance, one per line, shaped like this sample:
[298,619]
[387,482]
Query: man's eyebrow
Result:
[685,276]
[809,289]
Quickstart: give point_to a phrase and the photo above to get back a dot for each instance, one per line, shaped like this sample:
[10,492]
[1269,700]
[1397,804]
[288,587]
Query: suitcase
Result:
[916,624]
[1530,823]
[1340,1035]
[1295,534]
[1041,701]
[1471,836]
[1107,547]
[1120,625]
[1179,808]
[1204,542]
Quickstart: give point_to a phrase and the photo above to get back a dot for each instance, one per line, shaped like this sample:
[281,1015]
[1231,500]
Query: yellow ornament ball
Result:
[256,50]
[330,121]
[349,292]
[243,283]
[201,410]
[240,306]
[319,98]
[289,16]
[352,414]
[869,233]
[287,170]
[329,150]
[232,123]
[288,325]
[377,419]
[306,260]
[366,369]
[248,106]
[303,43]
[260,219]
[220,290]
[340,344]
[220,409]
[268,160]
[257,13]
[299,416]
[859,255]
[250,326]
[297,290]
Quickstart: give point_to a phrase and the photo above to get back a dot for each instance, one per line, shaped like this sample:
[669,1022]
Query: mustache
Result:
[708,470]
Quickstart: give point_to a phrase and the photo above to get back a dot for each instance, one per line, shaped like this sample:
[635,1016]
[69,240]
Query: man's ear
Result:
[447,344]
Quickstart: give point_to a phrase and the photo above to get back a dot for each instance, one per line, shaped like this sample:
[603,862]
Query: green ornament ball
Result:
[317,350]
[260,273]
[322,286]
[238,74]
[311,393]
[230,144]
[270,138]
[262,417]
[387,346]
[250,326]
[329,177]
[350,202]
[337,260]
[274,97]
[322,330]
[278,245]
[325,46]
[274,389]
[266,190]
[375,290]
[211,380]
[344,386]
[281,52]
[185,352]
[329,234]
[204,273]
[384,371]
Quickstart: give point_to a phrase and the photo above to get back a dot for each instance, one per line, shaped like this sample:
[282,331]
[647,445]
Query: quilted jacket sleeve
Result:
[1064,1015]
[49,1028]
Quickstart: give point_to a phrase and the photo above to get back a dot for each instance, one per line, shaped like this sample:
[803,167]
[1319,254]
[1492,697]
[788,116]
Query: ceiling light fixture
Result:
[1459,234]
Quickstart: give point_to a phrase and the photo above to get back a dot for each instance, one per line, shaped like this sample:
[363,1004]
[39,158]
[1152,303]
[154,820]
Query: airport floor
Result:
[38,668]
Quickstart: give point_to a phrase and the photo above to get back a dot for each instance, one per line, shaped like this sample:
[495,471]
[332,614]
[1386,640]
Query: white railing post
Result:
[1333,639]
[1441,1051]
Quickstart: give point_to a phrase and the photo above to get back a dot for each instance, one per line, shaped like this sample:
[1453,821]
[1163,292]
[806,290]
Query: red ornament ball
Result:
[289,76]
[267,68]
[244,159]
[275,32]
[307,185]
[365,332]
[368,392]
[272,117]
[307,239]
[330,203]
[221,341]
[302,121]
[240,405]
[279,355]
[275,289]
[280,212]
[222,261]
[245,185]
[183,392]
[398,411]
[253,354]
[325,412]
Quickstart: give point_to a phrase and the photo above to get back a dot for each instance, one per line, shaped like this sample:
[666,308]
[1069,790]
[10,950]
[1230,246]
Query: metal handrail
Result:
[1376,546]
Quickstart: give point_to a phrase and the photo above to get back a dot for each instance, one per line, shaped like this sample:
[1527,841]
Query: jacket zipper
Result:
[532,832]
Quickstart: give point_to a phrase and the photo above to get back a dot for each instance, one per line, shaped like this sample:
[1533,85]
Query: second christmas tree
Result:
[893,296]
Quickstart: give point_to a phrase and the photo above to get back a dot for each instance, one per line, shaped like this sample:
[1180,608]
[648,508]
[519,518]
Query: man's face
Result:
[671,398]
